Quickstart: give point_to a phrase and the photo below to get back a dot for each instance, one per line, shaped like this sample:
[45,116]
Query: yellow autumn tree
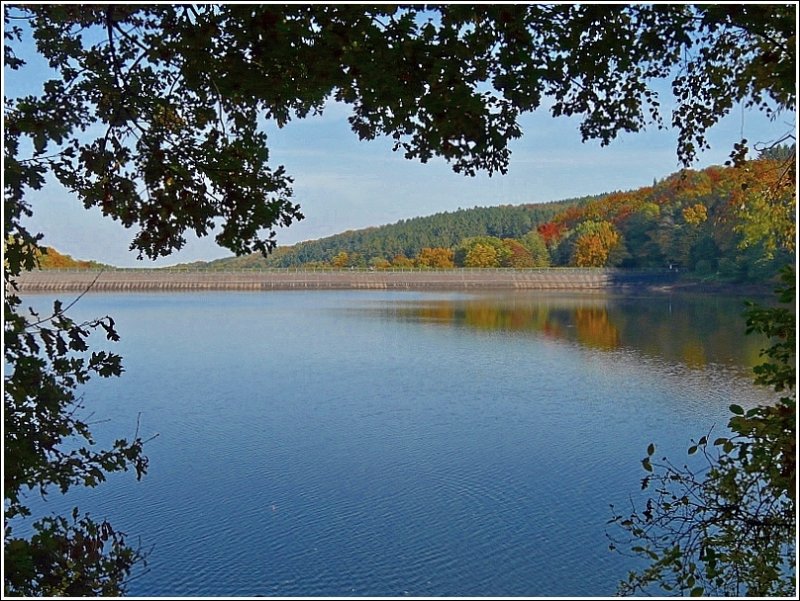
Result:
[481,255]
[695,214]
[438,258]
[402,261]
[340,260]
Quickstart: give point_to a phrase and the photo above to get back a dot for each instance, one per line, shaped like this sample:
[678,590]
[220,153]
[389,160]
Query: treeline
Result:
[720,221]
[405,240]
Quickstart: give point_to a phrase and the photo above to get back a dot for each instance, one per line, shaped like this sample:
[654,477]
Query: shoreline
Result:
[574,279]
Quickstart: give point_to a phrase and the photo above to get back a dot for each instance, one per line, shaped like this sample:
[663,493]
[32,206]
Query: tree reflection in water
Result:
[693,330]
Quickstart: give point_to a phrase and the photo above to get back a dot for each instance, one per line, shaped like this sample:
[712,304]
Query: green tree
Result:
[639,227]
[357,260]
[153,115]
[768,214]
[535,244]
[379,263]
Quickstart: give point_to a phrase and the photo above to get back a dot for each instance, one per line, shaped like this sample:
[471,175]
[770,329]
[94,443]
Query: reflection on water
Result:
[594,328]
[693,330]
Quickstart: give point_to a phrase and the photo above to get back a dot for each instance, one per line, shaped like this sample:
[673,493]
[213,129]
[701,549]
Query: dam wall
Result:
[132,280]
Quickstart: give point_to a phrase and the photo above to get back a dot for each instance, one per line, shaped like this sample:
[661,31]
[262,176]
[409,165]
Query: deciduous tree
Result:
[438,258]
[537,246]
[402,261]
[594,242]
[482,255]
[518,255]
[341,260]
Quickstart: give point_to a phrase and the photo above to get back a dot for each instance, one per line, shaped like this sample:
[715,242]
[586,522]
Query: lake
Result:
[373,443]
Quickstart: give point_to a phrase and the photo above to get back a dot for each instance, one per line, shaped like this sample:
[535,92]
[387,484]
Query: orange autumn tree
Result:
[551,232]
[47,257]
[594,242]
[52,259]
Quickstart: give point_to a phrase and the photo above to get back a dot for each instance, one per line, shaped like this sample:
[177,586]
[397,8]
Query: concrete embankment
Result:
[289,279]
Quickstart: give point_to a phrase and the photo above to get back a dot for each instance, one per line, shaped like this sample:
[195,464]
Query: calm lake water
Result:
[400,443]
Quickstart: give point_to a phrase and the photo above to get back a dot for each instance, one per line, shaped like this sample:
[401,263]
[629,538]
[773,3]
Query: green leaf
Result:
[692,449]
[736,409]
[651,448]
[696,592]
[646,464]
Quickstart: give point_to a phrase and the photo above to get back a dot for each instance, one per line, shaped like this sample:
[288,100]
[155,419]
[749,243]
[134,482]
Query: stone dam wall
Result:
[289,279]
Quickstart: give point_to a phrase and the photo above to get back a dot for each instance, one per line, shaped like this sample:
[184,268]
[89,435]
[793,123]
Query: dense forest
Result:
[701,222]
[403,241]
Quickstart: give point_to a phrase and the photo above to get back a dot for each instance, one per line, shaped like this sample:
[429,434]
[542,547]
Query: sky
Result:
[343,184]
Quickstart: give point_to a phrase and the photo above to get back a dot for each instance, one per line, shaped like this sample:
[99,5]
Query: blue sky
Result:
[342,183]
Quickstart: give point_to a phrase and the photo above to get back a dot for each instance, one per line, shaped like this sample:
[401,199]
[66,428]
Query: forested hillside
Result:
[407,238]
[712,222]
